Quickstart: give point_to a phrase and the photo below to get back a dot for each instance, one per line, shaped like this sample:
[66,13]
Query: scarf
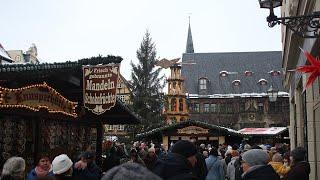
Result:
[41,172]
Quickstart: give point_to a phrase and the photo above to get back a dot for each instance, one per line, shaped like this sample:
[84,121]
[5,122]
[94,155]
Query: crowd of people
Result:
[184,160]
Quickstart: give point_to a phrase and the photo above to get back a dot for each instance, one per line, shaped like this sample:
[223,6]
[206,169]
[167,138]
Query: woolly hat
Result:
[14,166]
[152,149]
[298,154]
[255,157]
[130,171]
[88,155]
[61,164]
[184,148]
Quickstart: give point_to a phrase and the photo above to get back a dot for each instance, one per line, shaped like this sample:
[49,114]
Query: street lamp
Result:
[272,94]
[305,26]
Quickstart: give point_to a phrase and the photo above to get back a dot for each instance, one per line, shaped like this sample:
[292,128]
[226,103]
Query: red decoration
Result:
[313,68]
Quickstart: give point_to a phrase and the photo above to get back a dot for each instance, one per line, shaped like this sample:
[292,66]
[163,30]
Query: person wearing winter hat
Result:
[215,166]
[43,168]
[62,167]
[130,171]
[300,168]
[255,166]
[13,169]
[150,158]
[178,164]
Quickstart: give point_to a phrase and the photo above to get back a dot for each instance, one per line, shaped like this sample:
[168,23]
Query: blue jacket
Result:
[215,168]
[32,174]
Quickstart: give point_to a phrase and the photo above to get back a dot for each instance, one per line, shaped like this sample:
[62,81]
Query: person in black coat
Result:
[255,166]
[86,168]
[179,163]
[300,169]
[112,159]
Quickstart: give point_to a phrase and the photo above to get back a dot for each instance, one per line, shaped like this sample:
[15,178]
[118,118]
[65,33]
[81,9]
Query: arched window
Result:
[173,104]
[180,104]
[202,83]
[262,82]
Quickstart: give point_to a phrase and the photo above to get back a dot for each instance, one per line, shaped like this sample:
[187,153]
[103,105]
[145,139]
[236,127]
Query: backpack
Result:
[238,169]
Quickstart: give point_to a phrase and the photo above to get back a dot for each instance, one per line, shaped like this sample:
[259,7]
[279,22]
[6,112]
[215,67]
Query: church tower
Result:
[177,109]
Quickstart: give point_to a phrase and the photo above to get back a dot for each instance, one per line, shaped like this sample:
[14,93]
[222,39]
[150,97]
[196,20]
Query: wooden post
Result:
[36,136]
[99,143]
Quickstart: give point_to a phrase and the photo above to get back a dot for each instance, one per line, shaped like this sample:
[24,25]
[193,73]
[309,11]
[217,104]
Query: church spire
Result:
[189,48]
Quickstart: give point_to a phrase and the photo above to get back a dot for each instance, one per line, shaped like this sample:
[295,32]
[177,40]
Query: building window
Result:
[260,107]
[206,108]
[202,84]
[122,98]
[263,82]
[236,82]
[180,104]
[18,58]
[248,73]
[214,108]
[196,107]
[275,107]
[121,127]
[173,104]
[229,108]
[275,73]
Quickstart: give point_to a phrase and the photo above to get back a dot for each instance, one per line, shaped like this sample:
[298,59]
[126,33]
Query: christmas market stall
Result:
[59,108]
[192,129]
[270,135]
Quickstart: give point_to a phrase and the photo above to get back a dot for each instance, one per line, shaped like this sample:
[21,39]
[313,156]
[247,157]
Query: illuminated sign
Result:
[35,97]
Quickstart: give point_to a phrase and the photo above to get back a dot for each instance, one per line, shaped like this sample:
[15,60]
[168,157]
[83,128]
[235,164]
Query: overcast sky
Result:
[72,29]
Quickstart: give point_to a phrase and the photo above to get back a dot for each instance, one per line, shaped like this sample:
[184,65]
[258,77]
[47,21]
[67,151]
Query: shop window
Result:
[121,127]
[202,84]
[206,108]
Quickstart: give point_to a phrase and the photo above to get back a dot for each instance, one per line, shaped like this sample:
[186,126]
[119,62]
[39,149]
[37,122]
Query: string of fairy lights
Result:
[73,105]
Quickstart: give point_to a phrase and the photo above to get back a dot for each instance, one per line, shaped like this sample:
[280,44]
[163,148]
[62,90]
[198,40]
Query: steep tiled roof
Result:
[238,65]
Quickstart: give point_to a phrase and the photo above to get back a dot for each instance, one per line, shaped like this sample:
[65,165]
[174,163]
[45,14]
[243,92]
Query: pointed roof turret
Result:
[189,48]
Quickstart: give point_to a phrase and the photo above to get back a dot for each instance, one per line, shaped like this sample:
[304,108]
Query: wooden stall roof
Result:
[182,124]
[272,131]
[66,78]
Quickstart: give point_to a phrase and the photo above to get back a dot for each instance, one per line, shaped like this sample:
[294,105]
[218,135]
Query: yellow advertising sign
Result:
[35,97]
[193,130]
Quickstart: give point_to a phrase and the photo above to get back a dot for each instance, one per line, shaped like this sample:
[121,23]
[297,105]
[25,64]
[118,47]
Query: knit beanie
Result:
[184,148]
[61,164]
[298,154]
[255,157]
[14,167]
[130,171]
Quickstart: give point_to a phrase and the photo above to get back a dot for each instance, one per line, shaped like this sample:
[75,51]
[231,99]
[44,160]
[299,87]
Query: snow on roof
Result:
[262,131]
[4,53]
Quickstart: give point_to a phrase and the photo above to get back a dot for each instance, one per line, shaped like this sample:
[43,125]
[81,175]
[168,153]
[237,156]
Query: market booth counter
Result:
[42,111]
[192,129]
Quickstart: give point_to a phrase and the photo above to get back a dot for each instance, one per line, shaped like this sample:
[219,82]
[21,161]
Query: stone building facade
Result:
[230,88]
[304,103]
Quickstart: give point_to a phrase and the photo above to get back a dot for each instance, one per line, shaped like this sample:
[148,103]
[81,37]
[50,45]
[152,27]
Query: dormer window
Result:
[203,83]
[275,73]
[263,82]
[223,73]
[248,73]
[236,82]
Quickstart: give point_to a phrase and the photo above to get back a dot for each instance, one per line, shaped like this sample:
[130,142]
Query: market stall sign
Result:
[35,97]
[100,87]
[193,130]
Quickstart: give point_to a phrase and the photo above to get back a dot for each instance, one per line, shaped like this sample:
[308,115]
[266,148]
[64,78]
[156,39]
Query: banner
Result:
[100,87]
[35,97]
[193,130]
